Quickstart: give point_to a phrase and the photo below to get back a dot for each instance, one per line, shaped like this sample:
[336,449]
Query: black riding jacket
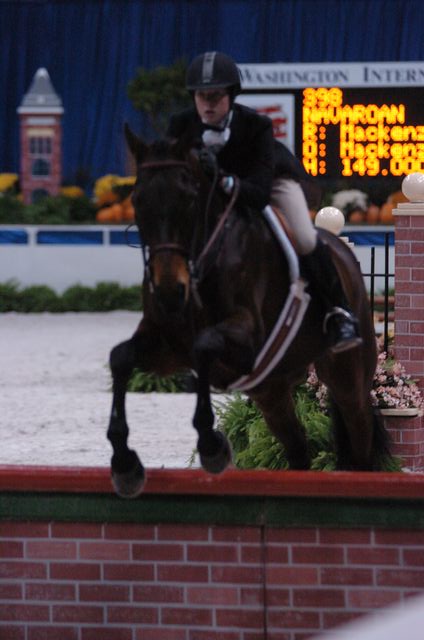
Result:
[251,153]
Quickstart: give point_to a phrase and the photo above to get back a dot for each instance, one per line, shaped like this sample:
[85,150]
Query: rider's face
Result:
[212,105]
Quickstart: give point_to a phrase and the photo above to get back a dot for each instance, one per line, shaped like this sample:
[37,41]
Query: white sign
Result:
[335,74]
[277,106]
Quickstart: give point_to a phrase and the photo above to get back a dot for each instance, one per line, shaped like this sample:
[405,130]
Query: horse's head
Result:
[166,204]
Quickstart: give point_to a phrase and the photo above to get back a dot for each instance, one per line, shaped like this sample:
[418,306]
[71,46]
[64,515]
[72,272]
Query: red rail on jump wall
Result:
[232,482]
[247,554]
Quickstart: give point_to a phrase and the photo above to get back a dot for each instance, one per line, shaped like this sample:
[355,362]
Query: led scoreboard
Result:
[373,132]
[344,120]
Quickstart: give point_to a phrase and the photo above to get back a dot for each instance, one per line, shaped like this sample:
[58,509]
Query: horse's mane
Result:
[161,149]
[164,149]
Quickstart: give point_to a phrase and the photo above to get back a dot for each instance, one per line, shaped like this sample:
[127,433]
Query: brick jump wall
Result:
[244,556]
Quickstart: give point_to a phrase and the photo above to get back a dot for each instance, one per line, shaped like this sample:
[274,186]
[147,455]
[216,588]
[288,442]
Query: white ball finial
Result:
[413,187]
[331,219]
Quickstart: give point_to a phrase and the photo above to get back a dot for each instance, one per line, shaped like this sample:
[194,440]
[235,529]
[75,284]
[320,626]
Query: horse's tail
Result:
[381,457]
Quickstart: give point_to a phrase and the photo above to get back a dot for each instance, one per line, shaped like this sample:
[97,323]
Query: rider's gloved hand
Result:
[208,161]
[227,184]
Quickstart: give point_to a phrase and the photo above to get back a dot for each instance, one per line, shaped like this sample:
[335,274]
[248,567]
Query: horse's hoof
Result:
[219,461]
[129,484]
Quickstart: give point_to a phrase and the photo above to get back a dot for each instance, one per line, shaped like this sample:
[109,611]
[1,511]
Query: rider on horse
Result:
[240,142]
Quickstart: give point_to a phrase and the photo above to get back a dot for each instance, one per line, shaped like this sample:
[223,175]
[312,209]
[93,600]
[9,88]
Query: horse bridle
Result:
[193,263]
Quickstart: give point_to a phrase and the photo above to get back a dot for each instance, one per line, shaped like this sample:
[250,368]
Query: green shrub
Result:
[11,210]
[48,210]
[105,296]
[81,210]
[110,295]
[130,298]
[38,298]
[143,382]
[10,297]
[78,298]
[59,210]
[158,92]
[254,447]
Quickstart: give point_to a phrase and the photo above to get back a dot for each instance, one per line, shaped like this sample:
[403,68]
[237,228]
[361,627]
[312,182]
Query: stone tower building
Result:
[41,139]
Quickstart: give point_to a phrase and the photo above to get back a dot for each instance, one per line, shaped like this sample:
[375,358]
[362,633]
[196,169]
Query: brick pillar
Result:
[408,434]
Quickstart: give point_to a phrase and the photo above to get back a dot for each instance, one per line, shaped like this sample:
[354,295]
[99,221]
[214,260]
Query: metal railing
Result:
[387,276]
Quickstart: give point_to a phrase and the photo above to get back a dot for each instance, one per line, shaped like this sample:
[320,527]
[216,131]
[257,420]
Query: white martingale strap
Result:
[289,319]
[281,235]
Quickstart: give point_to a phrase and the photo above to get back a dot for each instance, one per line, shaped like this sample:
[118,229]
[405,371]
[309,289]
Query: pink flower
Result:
[392,386]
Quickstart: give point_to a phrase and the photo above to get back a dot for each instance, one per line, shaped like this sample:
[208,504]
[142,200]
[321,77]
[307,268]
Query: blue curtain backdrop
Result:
[92,48]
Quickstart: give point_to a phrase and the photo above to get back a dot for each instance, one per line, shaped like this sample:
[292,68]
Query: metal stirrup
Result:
[336,311]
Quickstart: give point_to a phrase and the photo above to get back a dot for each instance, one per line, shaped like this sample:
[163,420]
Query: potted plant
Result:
[394,392]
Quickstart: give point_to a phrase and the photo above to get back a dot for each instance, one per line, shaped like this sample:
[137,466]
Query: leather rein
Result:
[193,263]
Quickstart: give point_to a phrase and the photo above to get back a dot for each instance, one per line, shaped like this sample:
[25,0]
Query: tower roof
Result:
[41,96]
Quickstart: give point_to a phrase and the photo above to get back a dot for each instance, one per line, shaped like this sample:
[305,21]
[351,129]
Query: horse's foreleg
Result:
[213,447]
[229,340]
[127,470]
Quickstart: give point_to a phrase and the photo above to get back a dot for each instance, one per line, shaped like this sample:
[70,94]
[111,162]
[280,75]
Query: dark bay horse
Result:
[215,280]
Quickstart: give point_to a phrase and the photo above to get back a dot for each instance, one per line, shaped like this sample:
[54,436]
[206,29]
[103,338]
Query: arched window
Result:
[40,167]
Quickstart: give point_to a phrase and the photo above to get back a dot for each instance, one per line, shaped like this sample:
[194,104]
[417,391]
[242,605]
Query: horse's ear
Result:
[135,144]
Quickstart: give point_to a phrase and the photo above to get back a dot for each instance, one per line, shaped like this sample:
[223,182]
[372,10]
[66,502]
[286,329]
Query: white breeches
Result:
[287,195]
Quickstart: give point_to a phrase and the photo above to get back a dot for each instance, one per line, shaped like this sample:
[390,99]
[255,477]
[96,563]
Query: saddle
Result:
[291,315]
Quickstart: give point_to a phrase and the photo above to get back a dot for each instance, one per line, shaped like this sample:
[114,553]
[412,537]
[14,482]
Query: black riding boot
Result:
[340,324]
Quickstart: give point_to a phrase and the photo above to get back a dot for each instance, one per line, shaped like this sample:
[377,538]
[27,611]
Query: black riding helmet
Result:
[213,70]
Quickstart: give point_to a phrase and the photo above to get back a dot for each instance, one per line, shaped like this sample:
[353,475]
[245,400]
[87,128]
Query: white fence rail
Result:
[61,256]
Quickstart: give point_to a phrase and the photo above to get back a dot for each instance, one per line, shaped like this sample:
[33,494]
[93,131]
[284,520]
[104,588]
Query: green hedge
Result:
[105,296]
[142,382]
[48,210]
[254,447]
